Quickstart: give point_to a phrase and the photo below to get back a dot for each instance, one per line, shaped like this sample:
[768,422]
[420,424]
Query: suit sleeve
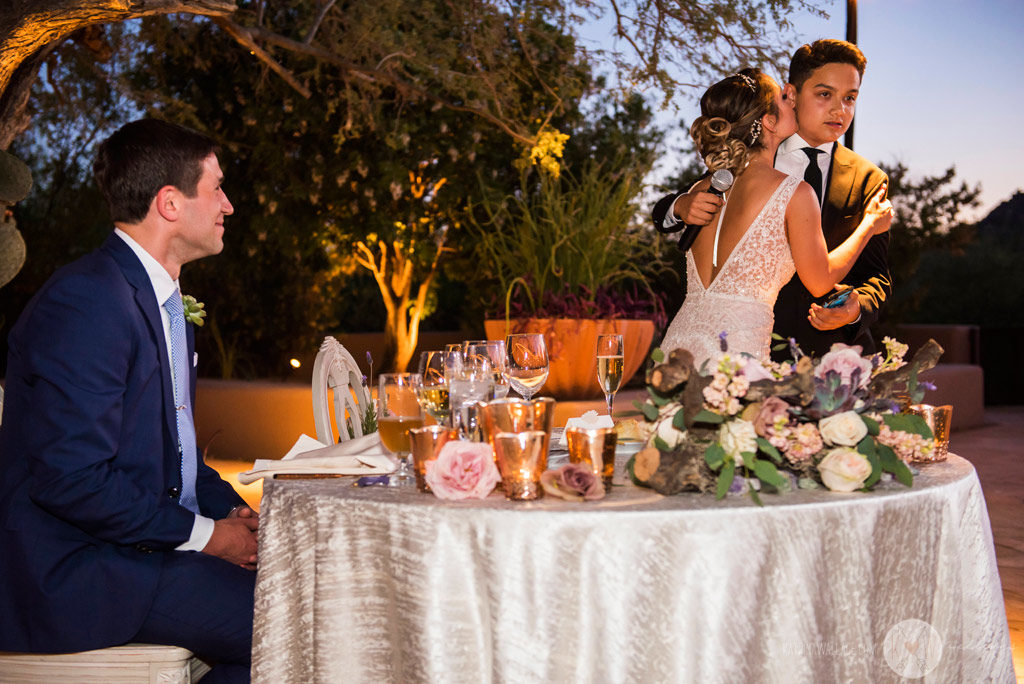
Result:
[661,209]
[870,274]
[91,364]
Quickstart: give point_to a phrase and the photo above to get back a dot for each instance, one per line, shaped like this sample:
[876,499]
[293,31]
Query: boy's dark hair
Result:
[143,156]
[822,52]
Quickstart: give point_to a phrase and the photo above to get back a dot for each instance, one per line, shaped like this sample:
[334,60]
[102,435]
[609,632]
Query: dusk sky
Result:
[943,87]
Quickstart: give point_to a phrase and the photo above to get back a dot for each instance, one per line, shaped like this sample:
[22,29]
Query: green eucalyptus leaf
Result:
[767,472]
[650,412]
[871,424]
[706,416]
[725,479]
[755,496]
[714,456]
[660,444]
[748,459]
[767,448]
[908,422]
[658,356]
[807,483]
[679,420]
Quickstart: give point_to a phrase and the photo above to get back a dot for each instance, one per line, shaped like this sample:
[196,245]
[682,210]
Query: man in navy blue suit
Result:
[112,529]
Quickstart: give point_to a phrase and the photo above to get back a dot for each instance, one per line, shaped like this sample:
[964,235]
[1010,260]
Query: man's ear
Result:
[167,202]
[789,93]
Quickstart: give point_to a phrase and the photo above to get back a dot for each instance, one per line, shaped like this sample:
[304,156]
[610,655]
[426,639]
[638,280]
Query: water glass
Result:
[470,380]
[494,351]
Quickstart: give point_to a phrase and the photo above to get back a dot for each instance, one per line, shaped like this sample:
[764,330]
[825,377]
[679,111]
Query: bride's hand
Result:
[879,211]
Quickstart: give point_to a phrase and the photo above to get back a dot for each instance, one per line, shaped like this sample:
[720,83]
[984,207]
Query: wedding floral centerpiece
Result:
[740,424]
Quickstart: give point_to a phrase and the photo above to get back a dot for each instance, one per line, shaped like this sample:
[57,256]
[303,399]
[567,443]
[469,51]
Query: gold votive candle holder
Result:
[939,419]
[425,444]
[594,447]
[521,458]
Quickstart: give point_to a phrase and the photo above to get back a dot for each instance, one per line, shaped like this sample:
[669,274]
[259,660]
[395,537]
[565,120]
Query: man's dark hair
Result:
[143,156]
[822,52]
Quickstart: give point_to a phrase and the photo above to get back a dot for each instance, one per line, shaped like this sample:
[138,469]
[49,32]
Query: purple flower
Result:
[573,482]
[722,342]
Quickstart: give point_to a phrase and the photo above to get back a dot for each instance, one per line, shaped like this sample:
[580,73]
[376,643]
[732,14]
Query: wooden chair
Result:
[128,664]
[335,371]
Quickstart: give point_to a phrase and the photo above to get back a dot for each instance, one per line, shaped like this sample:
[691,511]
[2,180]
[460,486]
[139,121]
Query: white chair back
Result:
[335,372]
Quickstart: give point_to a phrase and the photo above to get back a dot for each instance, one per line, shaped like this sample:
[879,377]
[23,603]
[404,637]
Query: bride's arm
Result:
[819,269]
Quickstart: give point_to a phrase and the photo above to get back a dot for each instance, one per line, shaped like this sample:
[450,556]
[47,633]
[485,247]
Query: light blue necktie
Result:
[182,402]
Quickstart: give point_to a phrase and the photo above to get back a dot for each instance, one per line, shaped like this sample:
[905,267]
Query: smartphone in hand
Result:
[839,297]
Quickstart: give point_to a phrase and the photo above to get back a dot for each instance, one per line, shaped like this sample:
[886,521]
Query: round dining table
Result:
[380,584]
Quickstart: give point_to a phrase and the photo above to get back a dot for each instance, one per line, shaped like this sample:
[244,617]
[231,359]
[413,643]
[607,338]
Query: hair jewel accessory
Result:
[749,81]
[755,131]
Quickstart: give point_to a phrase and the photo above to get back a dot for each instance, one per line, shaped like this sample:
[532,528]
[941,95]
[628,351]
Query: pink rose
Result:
[573,482]
[463,470]
[772,409]
[844,360]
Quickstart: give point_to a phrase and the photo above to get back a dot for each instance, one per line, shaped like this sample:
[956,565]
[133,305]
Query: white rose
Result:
[844,470]
[843,429]
[670,434]
[737,436]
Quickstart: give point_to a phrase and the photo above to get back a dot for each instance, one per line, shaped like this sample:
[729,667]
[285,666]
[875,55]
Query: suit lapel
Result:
[839,188]
[137,277]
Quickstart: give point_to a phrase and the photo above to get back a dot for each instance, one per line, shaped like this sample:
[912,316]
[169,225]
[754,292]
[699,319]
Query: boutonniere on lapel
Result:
[193,310]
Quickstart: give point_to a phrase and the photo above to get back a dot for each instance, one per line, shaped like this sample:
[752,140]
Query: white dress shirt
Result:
[163,287]
[791,159]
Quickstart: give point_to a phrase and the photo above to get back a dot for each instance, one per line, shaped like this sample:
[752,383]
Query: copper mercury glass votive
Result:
[594,447]
[939,419]
[521,458]
[426,443]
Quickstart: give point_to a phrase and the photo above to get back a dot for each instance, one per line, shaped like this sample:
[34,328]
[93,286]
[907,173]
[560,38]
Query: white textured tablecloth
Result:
[381,585]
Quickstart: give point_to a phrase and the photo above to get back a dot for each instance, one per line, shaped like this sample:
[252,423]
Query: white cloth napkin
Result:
[360,456]
[589,420]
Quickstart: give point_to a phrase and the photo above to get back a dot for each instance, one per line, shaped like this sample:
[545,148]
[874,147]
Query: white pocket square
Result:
[195,359]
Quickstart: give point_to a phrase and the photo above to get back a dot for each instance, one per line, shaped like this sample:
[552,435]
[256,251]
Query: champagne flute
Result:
[527,363]
[609,366]
[433,393]
[470,379]
[398,409]
[494,351]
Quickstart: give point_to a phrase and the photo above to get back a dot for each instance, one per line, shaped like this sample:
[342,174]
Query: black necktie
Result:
[813,172]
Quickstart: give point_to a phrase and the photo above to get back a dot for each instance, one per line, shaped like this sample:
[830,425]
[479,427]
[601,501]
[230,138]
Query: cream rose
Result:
[737,436]
[843,429]
[844,470]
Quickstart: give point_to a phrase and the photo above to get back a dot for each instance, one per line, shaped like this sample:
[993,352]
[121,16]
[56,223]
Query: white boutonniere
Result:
[193,310]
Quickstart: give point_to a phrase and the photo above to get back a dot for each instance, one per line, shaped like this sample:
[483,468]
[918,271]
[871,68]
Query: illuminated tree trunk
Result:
[393,272]
[30,30]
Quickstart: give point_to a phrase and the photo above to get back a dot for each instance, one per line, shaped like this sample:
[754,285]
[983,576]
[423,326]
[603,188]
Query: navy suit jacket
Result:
[852,181]
[89,466]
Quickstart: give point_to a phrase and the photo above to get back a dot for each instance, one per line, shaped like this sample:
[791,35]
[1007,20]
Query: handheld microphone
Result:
[721,180]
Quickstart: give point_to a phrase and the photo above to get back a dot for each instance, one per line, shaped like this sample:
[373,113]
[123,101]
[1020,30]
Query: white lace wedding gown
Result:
[741,298]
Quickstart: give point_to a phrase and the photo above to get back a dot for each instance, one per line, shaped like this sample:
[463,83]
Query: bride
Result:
[768,225]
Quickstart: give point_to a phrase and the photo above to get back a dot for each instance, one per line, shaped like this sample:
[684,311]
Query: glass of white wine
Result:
[494,351]
[433,393]
[527,363]
[609,366]
[398,410]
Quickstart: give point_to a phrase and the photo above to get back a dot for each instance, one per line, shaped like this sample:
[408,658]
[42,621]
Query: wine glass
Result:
[433,393]
[398,409]
[493,350]
[527,363]
[609,366]
[470,379]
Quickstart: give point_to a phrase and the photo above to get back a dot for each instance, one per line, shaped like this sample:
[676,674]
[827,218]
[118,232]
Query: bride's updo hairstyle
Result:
[730,122]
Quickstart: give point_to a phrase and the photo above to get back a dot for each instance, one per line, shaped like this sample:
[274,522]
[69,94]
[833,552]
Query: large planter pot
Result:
[572,347]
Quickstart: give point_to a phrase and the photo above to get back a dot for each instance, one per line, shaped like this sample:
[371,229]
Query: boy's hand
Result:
[830,319]
[696,208]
